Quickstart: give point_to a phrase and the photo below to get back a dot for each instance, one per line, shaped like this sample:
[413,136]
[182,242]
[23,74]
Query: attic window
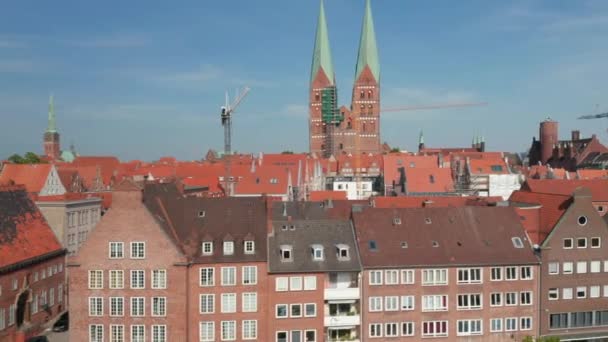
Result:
[342,251]
[284,227]
[228,247]
[496,168]
[582,220]
[517,243]
[274,181]
[207,248]
[397,220]
[412,164]
[249,247]
[428,220]
[285,251]
[435,243]
[600,208]
[372,245]
[404,244]
[292,227]
[432,179]
[201,213]
[317,252]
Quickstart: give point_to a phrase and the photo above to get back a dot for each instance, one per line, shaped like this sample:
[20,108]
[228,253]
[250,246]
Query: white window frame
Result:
[207,248]
[511,319]
[159,333]
[97,330]
[408,277]
[249,247]
[553,291]
[137,285]
[228,247]
[210,275]
[470,306]
[404,300]
[120,251]
[246,330]
[523,295]
[510,271]
[391,329]
[528,325]
[295,283]
[375,304]
[206,301]
[469,272]
[228,303]
[141,329]
[375,277]
[581,267]
[116,279]
[158,309]
[291,307]
[526,275]
[469,323]
[282,284]
[204,329]
[247,303]
[391,303]
[568,267]
[95,279]
[436,324]
[436,274]
[141,312]
[391,277]
[511,294]
[555,265]
[411,329]
[95,306]
[246,277]
[310,283]
[567,293]
[435,299]
[158,279]
[225,274]
[501,326]
[276,311]
[306,305]
[135,243]
[120,309]
[377,329]
[493,271]
[498,295]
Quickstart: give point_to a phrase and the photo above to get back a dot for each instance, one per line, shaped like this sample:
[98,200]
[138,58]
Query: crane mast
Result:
[226,117]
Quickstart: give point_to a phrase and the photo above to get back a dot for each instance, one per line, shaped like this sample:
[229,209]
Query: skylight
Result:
[517,243]
[372,245]
[403,244]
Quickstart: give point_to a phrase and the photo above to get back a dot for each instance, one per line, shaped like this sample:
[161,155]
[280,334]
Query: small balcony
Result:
[342,286]
[342,315]
[342,334]
[342,321]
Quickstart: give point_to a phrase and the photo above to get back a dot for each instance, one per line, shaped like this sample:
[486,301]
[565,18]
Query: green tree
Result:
[16,159]
[395,149]
[287,152]
[541,339]
[31,158]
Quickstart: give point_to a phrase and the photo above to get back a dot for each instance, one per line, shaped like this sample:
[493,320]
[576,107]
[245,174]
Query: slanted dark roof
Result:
[192,220]
[330,209]
[462,236]
[302,235]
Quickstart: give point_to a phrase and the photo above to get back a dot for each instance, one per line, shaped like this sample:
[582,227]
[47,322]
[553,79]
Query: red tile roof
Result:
[108,166]
[269,180]
[420,180]
[392,162]
[487,166]
[33,176]
[432,201]
[24,233]
[316,196]
[592,174]
[598,187]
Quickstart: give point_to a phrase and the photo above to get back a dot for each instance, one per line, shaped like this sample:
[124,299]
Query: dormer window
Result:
[292,227]
[228,247]
[317,253]
[517,243]
[286,253]
[403,244]
[284,227]
[435,243]
[372,245]
[201,213]
[207,248]
[396,220]
[342,251]
[428,220]
[249,247]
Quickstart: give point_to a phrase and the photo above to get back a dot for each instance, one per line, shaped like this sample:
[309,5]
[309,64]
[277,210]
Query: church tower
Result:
[51,137]
[323,109]
[365,107]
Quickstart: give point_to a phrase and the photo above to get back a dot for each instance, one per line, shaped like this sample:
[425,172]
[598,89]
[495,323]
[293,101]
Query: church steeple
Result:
[321,58]
[51,128]
[368,49]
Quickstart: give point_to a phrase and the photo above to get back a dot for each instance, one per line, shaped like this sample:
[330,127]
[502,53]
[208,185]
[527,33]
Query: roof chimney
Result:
[576,135]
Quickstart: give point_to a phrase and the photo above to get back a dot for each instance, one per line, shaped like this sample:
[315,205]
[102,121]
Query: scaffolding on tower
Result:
[331,117]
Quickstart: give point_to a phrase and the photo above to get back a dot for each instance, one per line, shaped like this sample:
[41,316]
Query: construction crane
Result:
[226,116]
[594,116]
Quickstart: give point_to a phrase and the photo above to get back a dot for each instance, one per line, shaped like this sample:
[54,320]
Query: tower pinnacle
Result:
[51,128]
[368,49]
[321,58]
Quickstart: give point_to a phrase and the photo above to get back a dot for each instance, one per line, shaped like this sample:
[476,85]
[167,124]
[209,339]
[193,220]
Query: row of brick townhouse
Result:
[32,267]
[164,266]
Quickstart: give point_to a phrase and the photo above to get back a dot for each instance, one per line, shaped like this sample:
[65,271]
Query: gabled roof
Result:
[598,187]
[489,166]
[321,57]
[368,49]
[435,237]
[432,201]
[552,207]
[33,176]
[24,233]
[316,196]
[393,161]
[434,180]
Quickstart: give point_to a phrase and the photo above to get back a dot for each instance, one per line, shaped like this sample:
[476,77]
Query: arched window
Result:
[362,94]
[370,94]
[363,127]
[317,96]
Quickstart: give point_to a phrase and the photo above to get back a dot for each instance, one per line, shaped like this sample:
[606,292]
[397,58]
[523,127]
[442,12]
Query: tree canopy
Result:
[27,158]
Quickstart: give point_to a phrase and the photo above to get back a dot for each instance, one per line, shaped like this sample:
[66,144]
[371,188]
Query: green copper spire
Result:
[368,50]
[321,58]
[51,127]
[421,138]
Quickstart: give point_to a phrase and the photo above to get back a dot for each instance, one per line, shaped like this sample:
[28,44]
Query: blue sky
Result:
[143,79]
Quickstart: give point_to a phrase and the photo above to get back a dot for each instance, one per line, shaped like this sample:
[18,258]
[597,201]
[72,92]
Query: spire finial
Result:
[321,58]
[421,138]
[368,49]
[51,128]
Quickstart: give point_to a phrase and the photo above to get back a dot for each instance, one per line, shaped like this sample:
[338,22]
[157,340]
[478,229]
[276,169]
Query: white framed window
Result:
[282,284]
[568,243]
[391,329]
[553,267]
[12,314]
[138,333]
[117,279]
[250,275]
[581,292]
[595,266]
[407,303]
[207,303]
[159,279]
[511,324]
[469,276]
[596,242]
[117,333]
[581,267]
[469,301]
[391,303]
[310,283]
[250,302]
[317,253]
[281,336]
[525,323]
[581,242]
[138,279]
[206,331]
[510,298]
[407,329]
[207,248]
[375,330]
[391,277]
[159,333]
[228,247]
[295,283]
[605,265]
[496,325]
[117,306]
[434,328]
[605,290]
[249,247]
[553,293]
[375,277]
[228,276]
[138,250]
[567,293]
[408,277]
[434,303]
[525,273]
[159,306]
[95,306]
[469,327]
[496,274]
[594,291]
[375,304]
[496,299]
[228,302]
[525,298]
[116,250]
[138,306]
[568,267]
[250,329]
[285,251]
[228,330]
[310,310]
[281,311]
[95,279]
[511,273]
[95,333]
[295,310]
[207,277]
[434,277]
[52,296]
